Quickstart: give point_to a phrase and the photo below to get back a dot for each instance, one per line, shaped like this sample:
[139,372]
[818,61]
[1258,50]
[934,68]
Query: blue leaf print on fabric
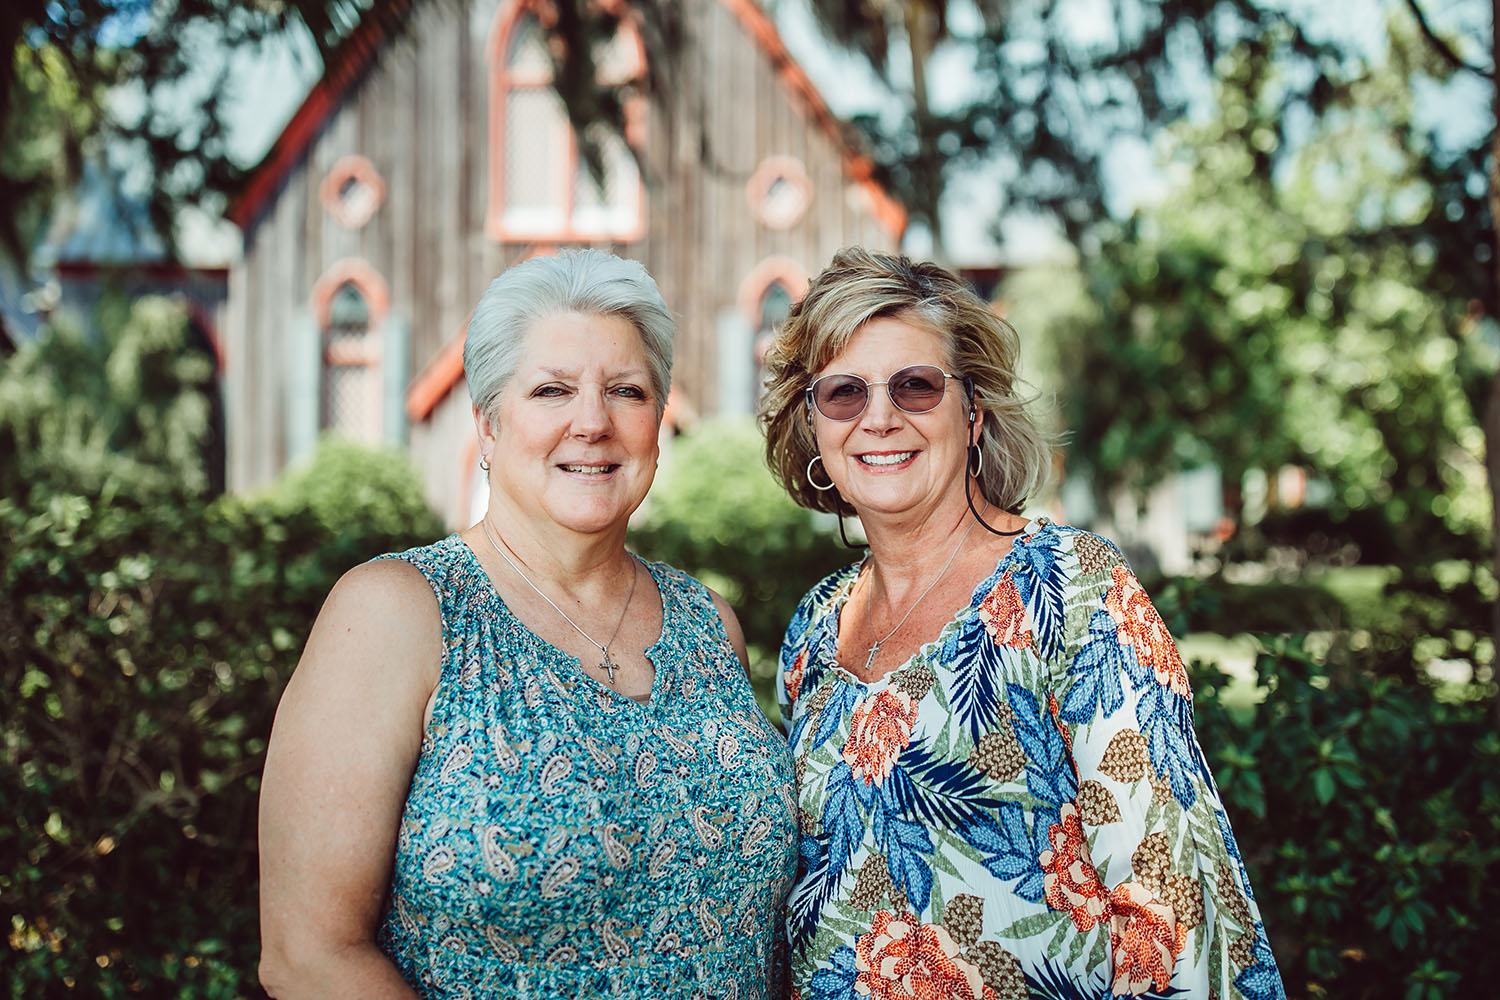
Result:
[1042,590]
[1096,674]
[1222,820]
[842,822]
[799,723]
[841,702]
[822,647]
[906,847]
[1260,981]
[1054,982]
[810,851]
[815,886]
[1049,773]
[1006,849]
[941,792]
[975,693]
[1159,713]
[836,983]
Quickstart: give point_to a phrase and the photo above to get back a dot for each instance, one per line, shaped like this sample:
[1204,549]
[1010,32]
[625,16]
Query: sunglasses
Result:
[916,389]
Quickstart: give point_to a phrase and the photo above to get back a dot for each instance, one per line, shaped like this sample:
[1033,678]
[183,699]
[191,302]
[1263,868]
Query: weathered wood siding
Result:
[421,117]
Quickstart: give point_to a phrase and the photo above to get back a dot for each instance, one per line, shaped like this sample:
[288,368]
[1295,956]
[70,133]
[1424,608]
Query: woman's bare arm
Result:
[342,751]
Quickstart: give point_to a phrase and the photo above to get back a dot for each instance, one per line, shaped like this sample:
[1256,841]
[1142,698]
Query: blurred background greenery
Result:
[1316,291]
[148,628]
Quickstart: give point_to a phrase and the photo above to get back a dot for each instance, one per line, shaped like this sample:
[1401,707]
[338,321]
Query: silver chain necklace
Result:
[870,621]
[607,664]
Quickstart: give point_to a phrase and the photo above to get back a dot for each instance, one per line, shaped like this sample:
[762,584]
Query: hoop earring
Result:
[811,482]
[484,463]
[975,464]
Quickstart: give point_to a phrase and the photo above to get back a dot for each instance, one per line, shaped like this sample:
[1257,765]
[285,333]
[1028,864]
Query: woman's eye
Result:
[848,390]
[549,390]
[630,391]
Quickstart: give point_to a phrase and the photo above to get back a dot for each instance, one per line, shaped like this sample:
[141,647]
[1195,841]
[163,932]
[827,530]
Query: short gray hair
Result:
[589,281]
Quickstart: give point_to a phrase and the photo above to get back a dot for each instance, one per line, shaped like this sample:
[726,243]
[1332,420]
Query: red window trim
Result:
[771,169]
[371,286]
[357,168]
[501,82]
[769,271]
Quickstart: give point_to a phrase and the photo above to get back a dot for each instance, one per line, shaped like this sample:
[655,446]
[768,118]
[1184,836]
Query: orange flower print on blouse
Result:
[901,959]
[1004,615]
[878,731]
[794,677]
[1138,625]
[1144,939]
[1071,883]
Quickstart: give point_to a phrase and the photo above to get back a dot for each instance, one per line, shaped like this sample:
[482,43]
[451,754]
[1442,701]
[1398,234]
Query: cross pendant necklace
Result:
[877,641]
[607,664]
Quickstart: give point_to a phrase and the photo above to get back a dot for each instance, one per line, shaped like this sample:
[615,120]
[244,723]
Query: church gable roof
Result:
[357,54]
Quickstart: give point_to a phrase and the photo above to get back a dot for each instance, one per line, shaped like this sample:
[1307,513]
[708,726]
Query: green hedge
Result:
[1368,811]
[146,647]
[146,632]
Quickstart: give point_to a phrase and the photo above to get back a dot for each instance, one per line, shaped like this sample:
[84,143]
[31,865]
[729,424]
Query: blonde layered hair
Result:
[860,285]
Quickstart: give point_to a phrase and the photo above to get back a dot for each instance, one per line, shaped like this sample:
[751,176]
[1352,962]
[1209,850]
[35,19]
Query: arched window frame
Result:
[367,282]
[503,223]
[772,271]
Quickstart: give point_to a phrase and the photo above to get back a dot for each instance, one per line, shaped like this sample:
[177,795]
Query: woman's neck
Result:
[908,552]
[570,559]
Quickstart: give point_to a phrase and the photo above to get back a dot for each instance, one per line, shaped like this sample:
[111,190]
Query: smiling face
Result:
[887,461]
[574,438]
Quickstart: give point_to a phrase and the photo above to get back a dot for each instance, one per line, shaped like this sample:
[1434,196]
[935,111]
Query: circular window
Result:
[780,191]
[352,192]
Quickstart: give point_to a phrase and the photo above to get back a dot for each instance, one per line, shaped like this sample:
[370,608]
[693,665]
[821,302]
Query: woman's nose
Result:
[591,417]
[881,413]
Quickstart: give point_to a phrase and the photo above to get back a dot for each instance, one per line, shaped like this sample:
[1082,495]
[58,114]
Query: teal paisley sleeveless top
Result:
[562,840]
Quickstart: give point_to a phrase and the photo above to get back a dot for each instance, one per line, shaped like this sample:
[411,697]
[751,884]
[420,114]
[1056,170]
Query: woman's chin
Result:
[591,518]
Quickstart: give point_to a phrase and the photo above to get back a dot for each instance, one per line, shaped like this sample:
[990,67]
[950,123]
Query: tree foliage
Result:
[1249,323]
[145,635]
[1054,87]
[140,76]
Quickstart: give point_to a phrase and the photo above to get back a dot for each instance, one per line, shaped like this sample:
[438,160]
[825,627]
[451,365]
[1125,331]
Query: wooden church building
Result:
[421,166]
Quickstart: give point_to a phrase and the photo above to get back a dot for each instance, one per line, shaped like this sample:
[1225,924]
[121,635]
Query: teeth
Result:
[893,459]
[589,470]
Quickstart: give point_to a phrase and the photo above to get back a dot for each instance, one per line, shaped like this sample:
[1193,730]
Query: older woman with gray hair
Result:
[522,761]
[1000,790]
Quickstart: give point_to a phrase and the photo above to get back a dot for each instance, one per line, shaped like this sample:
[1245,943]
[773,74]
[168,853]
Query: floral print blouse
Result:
[562,840]
[1021,809]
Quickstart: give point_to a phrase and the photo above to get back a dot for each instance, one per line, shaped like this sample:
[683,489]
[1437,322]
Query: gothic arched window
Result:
[351,367]
[540,186]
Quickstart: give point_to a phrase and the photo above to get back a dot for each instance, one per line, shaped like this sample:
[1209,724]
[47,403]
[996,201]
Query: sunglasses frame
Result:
[812,401]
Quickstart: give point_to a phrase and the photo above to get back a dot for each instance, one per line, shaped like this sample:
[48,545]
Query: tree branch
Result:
[1443,48]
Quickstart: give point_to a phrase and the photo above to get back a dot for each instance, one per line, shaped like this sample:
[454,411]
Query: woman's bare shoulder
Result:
[381,618]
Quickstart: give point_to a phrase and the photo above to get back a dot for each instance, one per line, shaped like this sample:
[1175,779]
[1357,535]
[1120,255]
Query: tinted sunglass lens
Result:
[917,389]
[840,397]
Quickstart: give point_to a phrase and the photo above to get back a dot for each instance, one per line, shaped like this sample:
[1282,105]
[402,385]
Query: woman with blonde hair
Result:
[1000,790]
